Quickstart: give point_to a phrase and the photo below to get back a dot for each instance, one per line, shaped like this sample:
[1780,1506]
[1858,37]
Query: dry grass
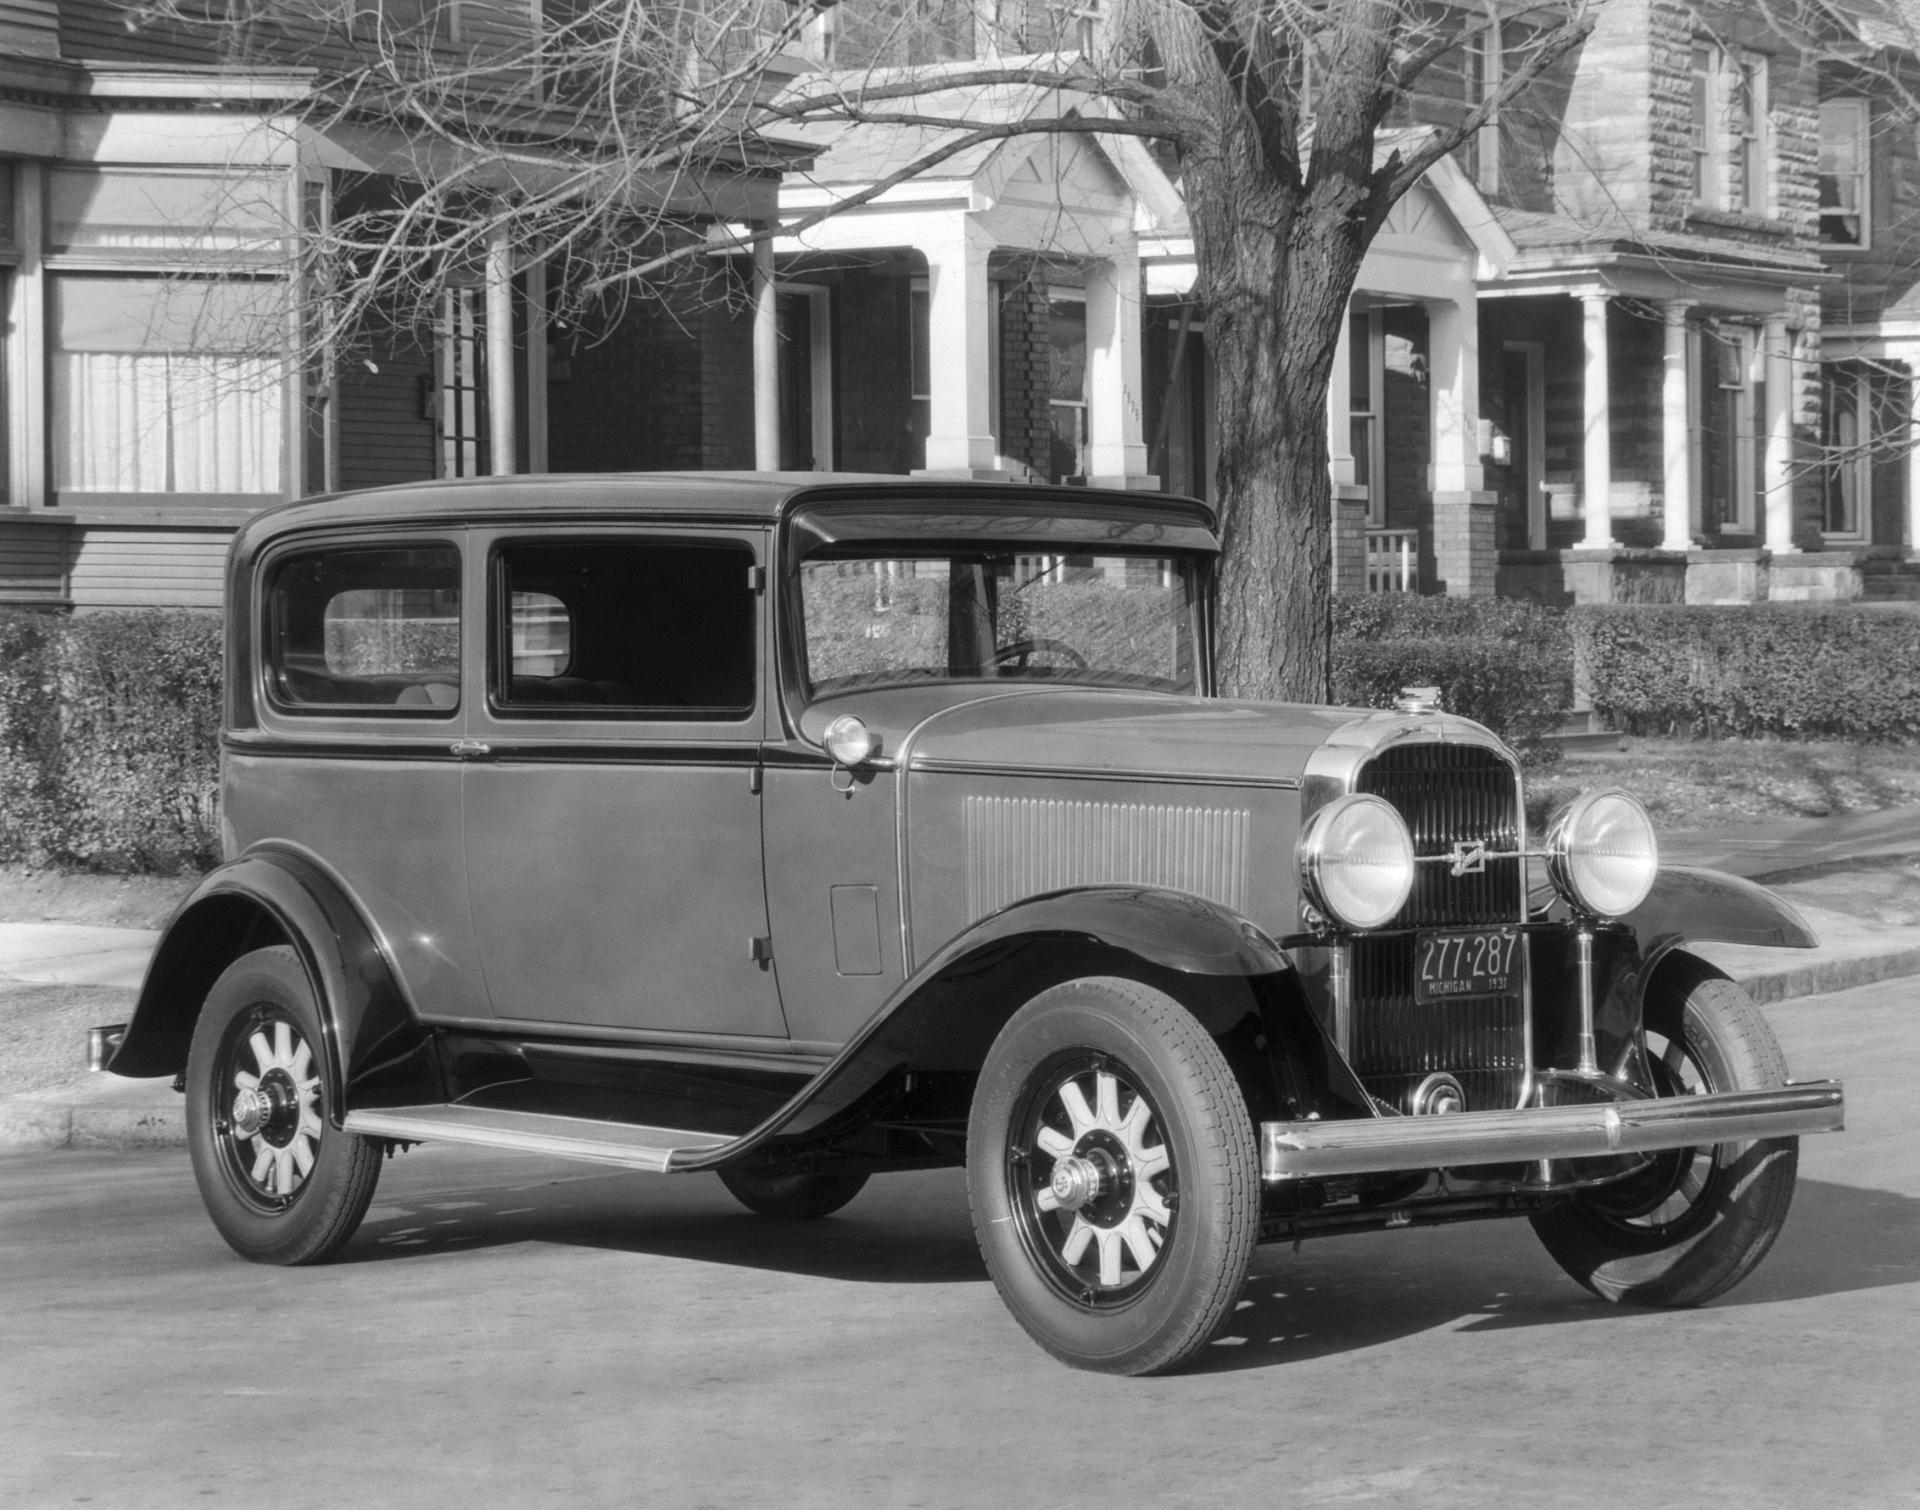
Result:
[1708,784]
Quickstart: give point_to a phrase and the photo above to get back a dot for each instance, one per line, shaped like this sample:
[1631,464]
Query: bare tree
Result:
[598,141]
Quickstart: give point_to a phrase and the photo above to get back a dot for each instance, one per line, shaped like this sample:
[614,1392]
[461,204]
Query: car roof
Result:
[714,496]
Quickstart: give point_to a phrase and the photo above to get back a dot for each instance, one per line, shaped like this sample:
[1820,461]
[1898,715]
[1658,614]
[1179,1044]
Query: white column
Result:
[1340,405]
[1777,464]
[960,394]
[1116,438]
[499,290]
[1676,433]
[1453,362]
[537,367]
[766,361]
[1912,360]
[29,479]
[1597,480]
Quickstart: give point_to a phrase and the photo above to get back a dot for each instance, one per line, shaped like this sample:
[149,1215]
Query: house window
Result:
[1845,210]
[167,385]
[458,407]
[1729,129]
[1364,398]
[1731,442]
[1067,386]
[1481,68]
[108,211]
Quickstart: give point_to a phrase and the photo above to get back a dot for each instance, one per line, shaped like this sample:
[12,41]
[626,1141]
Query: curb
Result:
[124,1115]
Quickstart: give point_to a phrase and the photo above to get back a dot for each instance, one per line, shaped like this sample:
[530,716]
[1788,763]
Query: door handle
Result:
[471,749]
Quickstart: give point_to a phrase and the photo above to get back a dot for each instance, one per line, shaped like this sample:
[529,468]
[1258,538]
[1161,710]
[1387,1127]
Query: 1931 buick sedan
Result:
[799,829]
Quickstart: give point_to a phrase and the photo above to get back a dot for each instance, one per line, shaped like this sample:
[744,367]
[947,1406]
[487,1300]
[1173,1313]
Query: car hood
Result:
[1091,731]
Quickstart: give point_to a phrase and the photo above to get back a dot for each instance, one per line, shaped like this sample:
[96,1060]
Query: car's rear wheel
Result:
[1697,1220]
[282,1184]
[796,1194]
[1112,1173]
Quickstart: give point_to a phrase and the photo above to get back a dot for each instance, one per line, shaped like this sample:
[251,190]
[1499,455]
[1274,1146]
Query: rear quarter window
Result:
[370,628]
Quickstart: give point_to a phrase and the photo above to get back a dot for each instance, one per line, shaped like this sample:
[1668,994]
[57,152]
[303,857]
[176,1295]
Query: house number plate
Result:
[1466,964]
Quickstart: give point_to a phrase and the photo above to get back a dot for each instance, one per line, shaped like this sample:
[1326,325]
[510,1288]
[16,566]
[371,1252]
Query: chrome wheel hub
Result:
[1100,1189]
[273,1126]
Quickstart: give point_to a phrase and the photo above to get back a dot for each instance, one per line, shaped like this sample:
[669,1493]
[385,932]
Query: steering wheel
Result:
[1021,652]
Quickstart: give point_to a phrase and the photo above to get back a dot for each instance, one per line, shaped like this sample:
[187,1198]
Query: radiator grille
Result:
[1447,794]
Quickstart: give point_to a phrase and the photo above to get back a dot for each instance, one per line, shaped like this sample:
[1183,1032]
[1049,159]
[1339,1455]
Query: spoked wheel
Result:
[797,1194]
[282,1185]
[1696,1221]
[1111,1168]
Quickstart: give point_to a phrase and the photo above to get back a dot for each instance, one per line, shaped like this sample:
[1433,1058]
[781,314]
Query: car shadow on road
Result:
[924,1237]
[1355,1293]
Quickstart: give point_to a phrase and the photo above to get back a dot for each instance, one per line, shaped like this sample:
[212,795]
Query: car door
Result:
[612,810]
[355,758]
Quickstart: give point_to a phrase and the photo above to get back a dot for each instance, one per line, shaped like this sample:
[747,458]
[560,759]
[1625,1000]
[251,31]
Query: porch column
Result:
[1340,406]
[1777,465]
[1453,362]
[766,360]
[1597,474]
[1465,550]
[1116,437]
[1913,462]
[960,438]
[498,276]
[1676,475]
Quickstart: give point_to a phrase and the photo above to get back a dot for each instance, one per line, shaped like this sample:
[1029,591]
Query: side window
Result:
[654,629]
[365,627]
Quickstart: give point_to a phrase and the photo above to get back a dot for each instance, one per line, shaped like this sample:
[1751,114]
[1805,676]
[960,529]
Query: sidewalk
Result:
[102,1110]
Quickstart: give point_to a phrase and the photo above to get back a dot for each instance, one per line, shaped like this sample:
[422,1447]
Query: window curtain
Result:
[166,422]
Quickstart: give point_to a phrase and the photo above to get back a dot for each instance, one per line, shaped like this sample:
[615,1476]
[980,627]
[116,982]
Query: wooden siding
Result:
[383,437]
[33,563]
[148,567]
[30,28]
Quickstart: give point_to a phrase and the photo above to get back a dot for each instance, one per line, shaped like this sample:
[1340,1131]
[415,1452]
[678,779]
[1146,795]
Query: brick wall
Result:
[874,355]
[1025,357]
[625,390]
[726,374]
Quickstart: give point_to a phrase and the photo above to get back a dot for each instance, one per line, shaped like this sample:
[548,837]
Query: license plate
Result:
[1452,965]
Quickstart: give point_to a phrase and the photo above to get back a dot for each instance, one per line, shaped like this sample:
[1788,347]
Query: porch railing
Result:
[1393,560]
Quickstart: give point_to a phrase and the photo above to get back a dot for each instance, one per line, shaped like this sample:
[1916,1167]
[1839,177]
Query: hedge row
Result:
[1759,669]
[1505,663]
[109,740]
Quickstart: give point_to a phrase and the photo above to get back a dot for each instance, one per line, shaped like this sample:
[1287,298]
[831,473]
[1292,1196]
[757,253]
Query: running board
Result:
[618,1143]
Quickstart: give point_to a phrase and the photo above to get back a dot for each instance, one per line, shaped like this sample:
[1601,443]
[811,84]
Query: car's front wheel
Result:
[1696,1221]
[1112,1172]
[282,1184]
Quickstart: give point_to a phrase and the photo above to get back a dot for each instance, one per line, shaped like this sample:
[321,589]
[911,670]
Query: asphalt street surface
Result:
[508,1331]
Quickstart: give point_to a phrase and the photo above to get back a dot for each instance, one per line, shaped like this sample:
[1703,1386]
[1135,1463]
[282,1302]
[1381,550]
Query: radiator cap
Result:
[1418,700]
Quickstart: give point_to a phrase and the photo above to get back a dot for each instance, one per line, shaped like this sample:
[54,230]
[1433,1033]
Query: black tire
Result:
[1698,1220]
[793,1194]
[1110,1091]
[282,1184]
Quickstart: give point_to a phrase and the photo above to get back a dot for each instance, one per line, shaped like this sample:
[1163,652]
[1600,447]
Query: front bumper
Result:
[1386,1145]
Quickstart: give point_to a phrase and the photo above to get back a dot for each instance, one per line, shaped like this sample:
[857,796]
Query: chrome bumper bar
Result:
[1384,1145]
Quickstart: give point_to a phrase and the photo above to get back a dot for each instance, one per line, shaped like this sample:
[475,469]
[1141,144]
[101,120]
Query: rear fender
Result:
[1237,982]
[375,1052]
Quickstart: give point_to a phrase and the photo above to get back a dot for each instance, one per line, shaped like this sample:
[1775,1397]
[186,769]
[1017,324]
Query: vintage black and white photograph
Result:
[959,753]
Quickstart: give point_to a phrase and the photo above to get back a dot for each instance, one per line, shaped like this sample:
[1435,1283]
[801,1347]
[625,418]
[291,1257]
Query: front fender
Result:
[1689,905]
[375,1051]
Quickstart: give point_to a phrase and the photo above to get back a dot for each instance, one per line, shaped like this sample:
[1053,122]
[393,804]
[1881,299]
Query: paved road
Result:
[510,1332]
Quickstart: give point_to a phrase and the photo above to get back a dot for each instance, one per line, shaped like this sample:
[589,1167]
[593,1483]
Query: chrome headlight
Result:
[1356,861]
[1602,855]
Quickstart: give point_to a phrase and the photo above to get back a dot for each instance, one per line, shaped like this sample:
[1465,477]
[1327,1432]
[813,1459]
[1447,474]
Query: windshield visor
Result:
[877,615]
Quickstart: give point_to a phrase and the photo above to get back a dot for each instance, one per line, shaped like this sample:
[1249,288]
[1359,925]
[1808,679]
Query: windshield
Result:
[880,616]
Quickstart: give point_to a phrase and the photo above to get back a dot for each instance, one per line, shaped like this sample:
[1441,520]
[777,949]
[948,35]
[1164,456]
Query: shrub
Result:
[1753,669]
[1504,663]
[109,739]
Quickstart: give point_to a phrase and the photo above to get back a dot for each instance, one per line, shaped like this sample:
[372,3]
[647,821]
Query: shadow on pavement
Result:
[1838,1239]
